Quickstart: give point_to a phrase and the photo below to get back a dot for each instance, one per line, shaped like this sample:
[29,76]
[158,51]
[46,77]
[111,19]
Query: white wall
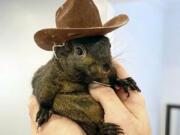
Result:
[20,57]
[171,57]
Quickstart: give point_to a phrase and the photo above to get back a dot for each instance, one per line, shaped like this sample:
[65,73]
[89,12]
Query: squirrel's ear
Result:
[59,51]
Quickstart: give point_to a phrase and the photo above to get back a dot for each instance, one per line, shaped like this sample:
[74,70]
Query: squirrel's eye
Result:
[79,51]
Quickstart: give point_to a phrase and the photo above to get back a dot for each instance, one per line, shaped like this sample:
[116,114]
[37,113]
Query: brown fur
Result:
[62,84]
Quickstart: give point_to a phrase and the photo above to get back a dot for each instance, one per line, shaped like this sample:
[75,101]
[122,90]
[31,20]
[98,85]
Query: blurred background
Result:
[148,46]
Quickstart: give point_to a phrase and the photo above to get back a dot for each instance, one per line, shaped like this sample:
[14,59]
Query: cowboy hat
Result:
[77,19]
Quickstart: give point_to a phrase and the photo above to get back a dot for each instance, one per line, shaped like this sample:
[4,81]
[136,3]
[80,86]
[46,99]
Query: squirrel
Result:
[61,86]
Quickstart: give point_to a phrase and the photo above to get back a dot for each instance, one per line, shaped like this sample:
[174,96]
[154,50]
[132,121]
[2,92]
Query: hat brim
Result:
[46,38]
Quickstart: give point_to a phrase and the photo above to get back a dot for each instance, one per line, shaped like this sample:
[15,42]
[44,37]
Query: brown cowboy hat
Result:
[76,19]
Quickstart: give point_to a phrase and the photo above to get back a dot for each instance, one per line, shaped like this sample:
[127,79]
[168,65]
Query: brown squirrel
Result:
[61,86]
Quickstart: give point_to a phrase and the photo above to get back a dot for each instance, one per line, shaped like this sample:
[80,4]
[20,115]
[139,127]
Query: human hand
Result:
[127,112]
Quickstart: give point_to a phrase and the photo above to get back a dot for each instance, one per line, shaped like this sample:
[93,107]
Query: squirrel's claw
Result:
[109,129]
[128,82]
[43,116]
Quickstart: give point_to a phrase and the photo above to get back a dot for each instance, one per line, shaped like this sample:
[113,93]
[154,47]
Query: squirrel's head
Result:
[87,59]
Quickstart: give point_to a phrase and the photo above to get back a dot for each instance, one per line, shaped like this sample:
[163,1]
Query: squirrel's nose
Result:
[106,67]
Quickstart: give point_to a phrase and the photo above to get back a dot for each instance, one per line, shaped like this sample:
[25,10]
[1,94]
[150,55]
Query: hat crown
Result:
[78,14]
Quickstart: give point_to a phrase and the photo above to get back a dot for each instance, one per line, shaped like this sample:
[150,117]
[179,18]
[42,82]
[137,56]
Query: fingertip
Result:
[99,92]
[121,72]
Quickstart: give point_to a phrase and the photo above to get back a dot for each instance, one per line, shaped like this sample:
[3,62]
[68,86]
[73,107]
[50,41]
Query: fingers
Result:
[135,103]
[33,107]
[111,104]
[121,72]
[58,125]
[33,127]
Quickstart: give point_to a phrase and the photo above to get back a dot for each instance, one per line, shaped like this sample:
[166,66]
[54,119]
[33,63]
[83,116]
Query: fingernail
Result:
[93,85]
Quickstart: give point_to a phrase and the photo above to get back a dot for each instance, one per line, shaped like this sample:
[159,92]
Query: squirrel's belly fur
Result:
[71,100]
[78,107]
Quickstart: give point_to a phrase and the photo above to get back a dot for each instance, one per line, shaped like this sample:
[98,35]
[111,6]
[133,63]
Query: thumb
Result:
[112,105]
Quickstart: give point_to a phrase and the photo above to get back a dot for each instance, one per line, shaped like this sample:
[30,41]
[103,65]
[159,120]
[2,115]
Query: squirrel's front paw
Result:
[128,82]
[43,116]
[109,129]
